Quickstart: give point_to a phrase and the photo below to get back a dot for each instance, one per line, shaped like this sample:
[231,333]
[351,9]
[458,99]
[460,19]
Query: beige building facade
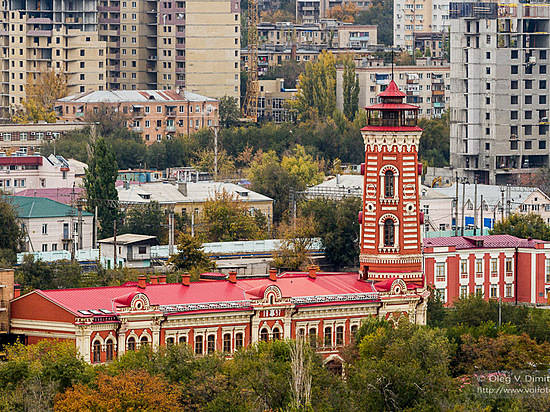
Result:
[272,103]
[425,86]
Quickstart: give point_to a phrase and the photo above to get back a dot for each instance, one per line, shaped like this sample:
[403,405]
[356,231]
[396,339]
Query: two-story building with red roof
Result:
[222,314]
[495,266]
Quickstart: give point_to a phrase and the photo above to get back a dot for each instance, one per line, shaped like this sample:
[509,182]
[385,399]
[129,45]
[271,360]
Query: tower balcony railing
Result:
[392,122]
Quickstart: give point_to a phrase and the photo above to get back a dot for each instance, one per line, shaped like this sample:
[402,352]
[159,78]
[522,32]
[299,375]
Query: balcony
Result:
[108,8]
[137,129]
[170,128]
[38,33]
[110,20]
[170,113]
[438,92]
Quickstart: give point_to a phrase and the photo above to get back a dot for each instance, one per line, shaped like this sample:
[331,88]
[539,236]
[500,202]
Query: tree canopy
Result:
[229,111]
[350,88]
[379,13]
[435,141]
[11,235]
[190,256]
[523,226]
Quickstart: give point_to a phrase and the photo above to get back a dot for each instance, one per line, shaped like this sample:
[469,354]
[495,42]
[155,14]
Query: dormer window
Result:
[389,184]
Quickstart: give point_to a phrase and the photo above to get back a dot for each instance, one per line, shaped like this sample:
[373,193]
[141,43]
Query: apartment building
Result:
[411,16]
[499,90]
[425,86]
[494,266]
[311,11]
[35,172]
[155,114]
[120,45]
[191,44]
[27,138]
[37,37]
[431,44]
[272,101]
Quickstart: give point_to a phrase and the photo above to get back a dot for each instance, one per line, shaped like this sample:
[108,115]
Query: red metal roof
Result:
[391,129]
[202,292]
[20,160]
[474,242]
[392,91]
[392,106]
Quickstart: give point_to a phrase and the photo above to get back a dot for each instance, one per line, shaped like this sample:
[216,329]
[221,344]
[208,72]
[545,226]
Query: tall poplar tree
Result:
[350,88]
[317,88]
[99,182]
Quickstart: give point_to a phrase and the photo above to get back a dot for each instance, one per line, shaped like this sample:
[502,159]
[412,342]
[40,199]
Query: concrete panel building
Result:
[499,90]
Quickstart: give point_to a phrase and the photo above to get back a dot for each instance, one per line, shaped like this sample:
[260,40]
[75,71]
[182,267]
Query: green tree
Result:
[190,254]
[270,178]
[148,219]
[402,368]
[435,140]
[11,235]
[99,182]
[37,274]
[338,228]
[289,70]
[350,88]
[302,166]
[297,241]
[226,219]
[523,226]
[229,111]
[316,94]
[380,13]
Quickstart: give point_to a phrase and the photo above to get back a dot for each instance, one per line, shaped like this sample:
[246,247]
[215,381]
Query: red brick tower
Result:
[390,231]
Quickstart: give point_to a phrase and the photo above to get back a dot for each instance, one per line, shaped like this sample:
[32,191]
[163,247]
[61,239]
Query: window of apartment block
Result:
[528,99]
[542,144]
[494,266]
[527,130]
[487,116]
[514,84]
[44,228]
[514,99]
[528,84]
[528,145]
[543,129]
[487,86]
[508,266]
[487,100]
[514,54]
[542,69]
[493,291]
[44,247]
[514,69]
[514,115]
[542,84]
[487,133]
[464,267]
[479,267]
[487,70]
[528,114]
[488,55]
[542,54]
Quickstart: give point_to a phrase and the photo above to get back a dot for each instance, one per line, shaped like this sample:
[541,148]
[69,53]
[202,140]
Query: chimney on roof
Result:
[232,277]
[312,272]
[162,279]
[273,275]
[185,279]
[182,188]
[154,280]
[142,281]
[16,291]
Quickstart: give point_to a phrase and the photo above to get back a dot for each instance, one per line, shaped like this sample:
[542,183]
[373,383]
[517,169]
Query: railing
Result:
[392,122]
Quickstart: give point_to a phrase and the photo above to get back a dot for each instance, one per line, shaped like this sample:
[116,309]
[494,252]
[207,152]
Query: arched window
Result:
[227,342]
[239,341]
[313,337]
[264,335]
[339,335]
[131,343]
[211,343]
[353,331]
[170,341]
[276,334]
[389,190]
[109,350]
[183,339]
[144,341]
[198,345]
[328,336]
[389,234]
[97,351]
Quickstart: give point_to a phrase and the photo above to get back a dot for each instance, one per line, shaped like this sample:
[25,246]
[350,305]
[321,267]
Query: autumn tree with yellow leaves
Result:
[42,93]
[345,12]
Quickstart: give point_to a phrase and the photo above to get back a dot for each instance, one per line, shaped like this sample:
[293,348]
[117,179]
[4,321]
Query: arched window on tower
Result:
[389,234]
[389,184]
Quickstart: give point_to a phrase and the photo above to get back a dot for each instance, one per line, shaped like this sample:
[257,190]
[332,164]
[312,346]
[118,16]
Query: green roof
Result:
[35,207]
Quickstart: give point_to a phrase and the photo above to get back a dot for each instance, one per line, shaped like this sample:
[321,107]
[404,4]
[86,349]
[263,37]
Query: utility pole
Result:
[475,206]
[216,152]
[114,244]
[79,206]
[508,200]
[481,217]
[463,196]
[456,206]
[171,232]
[502,204]
[94,240]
